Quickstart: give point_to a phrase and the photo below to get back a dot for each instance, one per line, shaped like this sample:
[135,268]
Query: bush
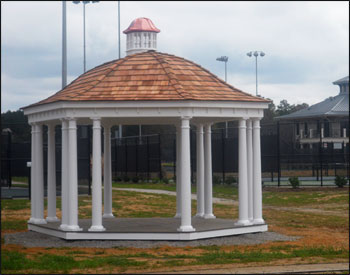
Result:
[216,180]
[118,179]
[230,180]
[126,179]
[294,181]
[135,179]
[166,180]
[340,181]
[155,180]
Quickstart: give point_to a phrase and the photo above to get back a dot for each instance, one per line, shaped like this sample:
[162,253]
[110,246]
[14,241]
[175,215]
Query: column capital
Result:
[185,122]
[256,124]
[95,118]
[249,124]
[51,124]
[185,117]
[200,128]
[107,125]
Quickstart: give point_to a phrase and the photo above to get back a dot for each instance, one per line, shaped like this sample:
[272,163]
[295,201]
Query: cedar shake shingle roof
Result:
[149,76]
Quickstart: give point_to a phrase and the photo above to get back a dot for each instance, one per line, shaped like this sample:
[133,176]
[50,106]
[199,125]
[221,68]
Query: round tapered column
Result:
[257,193]
[33,191]
[178,171]
[208,181]
[96,177]
[39,176]
[185,177]
[72,176]
[200,171]
[107,178]
[242,174]
[64,175]
[250,168]
[51,174]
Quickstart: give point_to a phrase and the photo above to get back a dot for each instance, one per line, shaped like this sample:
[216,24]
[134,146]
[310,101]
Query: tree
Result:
[18,123]
[284,108]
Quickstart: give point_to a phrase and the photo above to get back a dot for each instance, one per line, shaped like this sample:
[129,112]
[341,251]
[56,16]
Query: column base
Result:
[52,219]
[72,228]
[37,221]
[209,216]
[178,215]
[199,215]
[108,216]
[243,222]
[62,227]
[96,228]
[258,221]
[186,228]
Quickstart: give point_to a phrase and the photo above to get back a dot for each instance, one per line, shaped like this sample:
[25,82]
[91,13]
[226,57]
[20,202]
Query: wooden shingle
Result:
[149,76]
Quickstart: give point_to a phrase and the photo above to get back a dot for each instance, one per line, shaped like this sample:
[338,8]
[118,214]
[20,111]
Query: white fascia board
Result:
[145,109]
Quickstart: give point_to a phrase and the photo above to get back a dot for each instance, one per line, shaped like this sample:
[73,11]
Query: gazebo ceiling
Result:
[149,76]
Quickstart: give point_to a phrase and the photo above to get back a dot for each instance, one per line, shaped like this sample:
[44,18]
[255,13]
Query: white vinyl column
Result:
[51,174]
[257,194]
[242,174]
[64,176]
[250,168]
[178,171]
[33,192]
[39,175]
[72,176]
[200,171]
[185,177]
[208,180]
[96,177]
[107,178]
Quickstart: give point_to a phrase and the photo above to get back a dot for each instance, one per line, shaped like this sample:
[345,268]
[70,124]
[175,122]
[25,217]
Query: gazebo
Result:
[145,87]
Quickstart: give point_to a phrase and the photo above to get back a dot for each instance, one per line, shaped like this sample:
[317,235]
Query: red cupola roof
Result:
[141,24]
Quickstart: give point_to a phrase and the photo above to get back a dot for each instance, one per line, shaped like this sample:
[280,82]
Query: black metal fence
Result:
[315,158]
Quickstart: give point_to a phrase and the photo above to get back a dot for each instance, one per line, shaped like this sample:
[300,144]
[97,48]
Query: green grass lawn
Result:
[323,237]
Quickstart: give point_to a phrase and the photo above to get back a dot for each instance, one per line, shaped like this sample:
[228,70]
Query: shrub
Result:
[118,179]
[340,181]
[166,180]
[216,180]
[294,181]
[155,180]
[135,179]
[126,179]
[230,180]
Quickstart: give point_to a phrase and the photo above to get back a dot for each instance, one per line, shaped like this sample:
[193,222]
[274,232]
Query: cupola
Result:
[141,36]
[343,84]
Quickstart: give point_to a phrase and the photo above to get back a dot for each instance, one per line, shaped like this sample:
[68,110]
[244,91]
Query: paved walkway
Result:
[284,269]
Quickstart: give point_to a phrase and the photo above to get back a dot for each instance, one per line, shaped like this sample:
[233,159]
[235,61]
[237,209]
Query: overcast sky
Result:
[306,44]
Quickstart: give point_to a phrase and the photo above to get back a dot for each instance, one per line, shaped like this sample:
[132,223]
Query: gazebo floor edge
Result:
[149,229]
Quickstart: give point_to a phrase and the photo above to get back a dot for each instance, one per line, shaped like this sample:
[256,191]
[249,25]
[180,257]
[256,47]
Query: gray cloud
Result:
[306,43]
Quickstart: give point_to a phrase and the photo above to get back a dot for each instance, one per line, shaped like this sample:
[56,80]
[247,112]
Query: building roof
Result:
[149,76]
[342,81]
[332,106]
[141,24]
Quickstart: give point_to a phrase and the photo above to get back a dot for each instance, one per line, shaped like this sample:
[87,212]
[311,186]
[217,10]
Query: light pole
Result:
[84,3]
[224,59]
[64,45]
[119,29]
[256,54]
